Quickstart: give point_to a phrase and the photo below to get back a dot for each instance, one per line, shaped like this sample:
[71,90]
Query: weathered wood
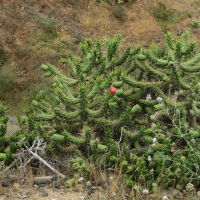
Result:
[43,180]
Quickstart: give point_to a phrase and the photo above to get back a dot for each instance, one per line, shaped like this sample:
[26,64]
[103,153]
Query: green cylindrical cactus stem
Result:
[141,57]
[148,131]
[113,159]
[45,117]
[70,182]
[161,63]
[44,67]
[74,140]
[67,99]
[160,92]
[78,160]
[66,115]
[135,109]
[147,139]
[130,169]
[131,69]
[149,103]
[133,135]
[96,113]
[133,158]
[190,69]
[142,84]
[98,101]
[42,94]
[118,84]
[75,166]
[119,93]
[39,105]
[3,156]
[196,110]
[193,134]
[58,138]
[188,64]
[124,57]
[130,183]
[129,92]
[181,83]
[135,96]
[136,144]
[102,148]
[159,107]
[154,71]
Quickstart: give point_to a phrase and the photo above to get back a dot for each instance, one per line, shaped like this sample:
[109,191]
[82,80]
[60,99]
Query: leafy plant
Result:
[163,14]
[195,23]
[48,25]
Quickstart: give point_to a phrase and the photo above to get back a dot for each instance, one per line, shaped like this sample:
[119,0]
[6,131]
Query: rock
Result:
[157,41]
[5,184]
[179,32]
[131,40]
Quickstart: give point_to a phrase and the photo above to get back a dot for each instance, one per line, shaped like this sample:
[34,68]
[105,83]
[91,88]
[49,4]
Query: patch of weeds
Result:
[48,24]
[163,14]
[7,79]
[3,56]
[119,12]
[3,7]
[64,41]
[195,23]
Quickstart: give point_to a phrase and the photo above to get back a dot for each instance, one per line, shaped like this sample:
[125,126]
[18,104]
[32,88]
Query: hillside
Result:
[119,117]
[38,32]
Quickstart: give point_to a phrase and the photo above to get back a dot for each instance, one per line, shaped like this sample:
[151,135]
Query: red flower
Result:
[172,149]
[113,90]
[142,161]
[140,157]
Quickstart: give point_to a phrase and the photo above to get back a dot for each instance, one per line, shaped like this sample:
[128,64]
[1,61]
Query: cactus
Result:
[83,114]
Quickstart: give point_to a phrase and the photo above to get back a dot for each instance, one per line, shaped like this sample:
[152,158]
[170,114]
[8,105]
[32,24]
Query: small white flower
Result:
[80,179]
[149,158]
[154,140]
[111,178]
[145,191]
[159,99]
[148,97]
[199,84]
[165,198]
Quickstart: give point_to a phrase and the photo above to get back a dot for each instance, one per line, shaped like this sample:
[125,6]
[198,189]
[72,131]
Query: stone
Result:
[179,32]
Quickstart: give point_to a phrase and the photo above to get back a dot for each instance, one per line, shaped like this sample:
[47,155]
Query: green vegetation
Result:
[48,24]
[195,23]
[152,112]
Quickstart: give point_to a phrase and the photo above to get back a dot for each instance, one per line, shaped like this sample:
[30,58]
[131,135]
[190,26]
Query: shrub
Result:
[163,14]
[119,12]
[48,24]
